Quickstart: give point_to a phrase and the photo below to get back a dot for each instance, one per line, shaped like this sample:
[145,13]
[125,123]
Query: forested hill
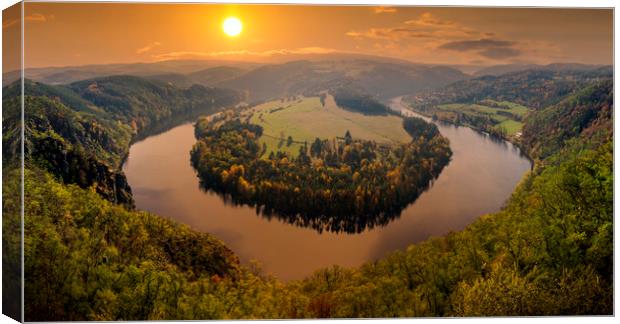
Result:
[141,102]
[380,79]
[88,259]
[75,147]
[509,68]
[535,89]
[81,132]
[583,114]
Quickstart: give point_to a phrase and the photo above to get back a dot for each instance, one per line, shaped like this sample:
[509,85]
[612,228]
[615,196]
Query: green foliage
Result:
[536,257]
[532,88]
[81,133]
[11,240]
[76,147]
[141,102]
[588,111]
[58,93]
[345,184]
[502,119]
[87,259]
[305,119]
[354,98]
[497,104]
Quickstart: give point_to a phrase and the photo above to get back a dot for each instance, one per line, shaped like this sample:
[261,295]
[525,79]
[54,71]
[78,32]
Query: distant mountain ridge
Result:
[68,74]
[497,70]
[208,77]
[381,77]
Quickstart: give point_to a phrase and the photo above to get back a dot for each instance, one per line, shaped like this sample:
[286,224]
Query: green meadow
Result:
[499,113]
[306,118]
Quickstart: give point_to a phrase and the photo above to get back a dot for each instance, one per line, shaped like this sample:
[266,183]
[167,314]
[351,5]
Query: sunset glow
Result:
[462,36]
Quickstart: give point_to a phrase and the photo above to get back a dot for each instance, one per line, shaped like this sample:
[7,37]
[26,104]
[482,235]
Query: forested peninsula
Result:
[340,184]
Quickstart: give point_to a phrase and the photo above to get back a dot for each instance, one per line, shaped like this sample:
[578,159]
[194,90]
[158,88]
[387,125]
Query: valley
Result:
[119,158]
[291,252]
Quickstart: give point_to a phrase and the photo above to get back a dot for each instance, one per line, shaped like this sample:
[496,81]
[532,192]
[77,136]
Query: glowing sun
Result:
[232,26]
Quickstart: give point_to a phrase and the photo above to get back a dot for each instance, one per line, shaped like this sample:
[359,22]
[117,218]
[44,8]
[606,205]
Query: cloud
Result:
[431,38]
[422,37]
[486,47]
[500,53]
[35,17]
[147,48]
[428,19]
[393,34]
[425,25]
[469,45]
[268,53]
[384,9]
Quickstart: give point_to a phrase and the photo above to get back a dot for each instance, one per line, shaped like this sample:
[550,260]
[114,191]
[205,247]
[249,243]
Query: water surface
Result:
[482,174]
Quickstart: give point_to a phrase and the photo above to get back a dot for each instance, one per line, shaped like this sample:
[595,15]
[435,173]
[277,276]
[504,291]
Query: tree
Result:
[316,148]
[347,138]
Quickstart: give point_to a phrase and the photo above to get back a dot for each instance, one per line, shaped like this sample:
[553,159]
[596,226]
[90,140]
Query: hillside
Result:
[141,102]
[68,74]
[381,79]
[76,148]
[497,70]
[582,114]
[499,104]
[87,259]
[206,77]
[58,93]
[81,133]
[532,88]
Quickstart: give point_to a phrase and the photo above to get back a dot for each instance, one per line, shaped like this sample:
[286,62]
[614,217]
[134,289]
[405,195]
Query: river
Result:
[482,174]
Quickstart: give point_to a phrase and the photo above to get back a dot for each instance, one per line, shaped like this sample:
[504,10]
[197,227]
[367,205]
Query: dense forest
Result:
[81,132]
[343,184]
[531,88]
[549,251]
[496,104]
[356,99]
[585,112]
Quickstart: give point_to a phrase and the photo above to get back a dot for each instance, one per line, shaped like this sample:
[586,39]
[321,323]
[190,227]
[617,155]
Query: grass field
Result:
[512,126]
[512,107]
[305,119]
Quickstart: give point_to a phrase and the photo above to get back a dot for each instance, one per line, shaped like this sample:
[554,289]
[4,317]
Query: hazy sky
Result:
[74,34]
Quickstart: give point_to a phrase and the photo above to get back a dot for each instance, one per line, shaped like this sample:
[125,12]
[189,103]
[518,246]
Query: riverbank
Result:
[514,140]
[480,167]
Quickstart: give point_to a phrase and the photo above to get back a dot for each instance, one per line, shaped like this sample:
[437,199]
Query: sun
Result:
[232,26]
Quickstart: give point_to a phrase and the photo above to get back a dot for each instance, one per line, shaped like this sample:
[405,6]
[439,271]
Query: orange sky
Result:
[58,34]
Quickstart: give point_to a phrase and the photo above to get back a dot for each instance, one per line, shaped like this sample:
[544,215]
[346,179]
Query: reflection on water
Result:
[482,174]
[335,223]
